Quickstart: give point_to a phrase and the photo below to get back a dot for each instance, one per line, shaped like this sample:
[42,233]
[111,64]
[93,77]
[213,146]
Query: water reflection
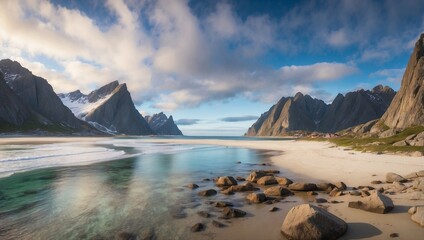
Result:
[140,195]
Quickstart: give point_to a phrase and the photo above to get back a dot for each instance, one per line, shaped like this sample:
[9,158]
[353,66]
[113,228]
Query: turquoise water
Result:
[141,191]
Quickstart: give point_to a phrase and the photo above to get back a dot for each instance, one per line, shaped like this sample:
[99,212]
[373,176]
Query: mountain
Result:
[163,125]
[356,108]
[109,109]
[30,100]
[300,112]
[407,107]
[304,113]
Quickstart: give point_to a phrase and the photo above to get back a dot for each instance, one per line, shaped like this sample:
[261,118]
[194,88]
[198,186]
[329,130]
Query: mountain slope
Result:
[289,114]
[304,113]
[163,125]
[356,108]
[407,108]
[109,109]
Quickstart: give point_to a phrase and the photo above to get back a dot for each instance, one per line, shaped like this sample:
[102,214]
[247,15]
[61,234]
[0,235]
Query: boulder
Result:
[240,179]
[336,193]
[217,224]
[229,212]
[415,175]
[226,181]
[242,188]
[221,204]
[256,197]
[283,181]
[327,187]
[273,209]
[417,215]
[207,193]
[203,214]
[277,191]
[393,177]
[302,186]
[321,200]
[376,202]
[340,185]
[401,143]
[388,133]
[376,182]
[310,222]
[256,175]
[418,183]
[267,180]
[192,186]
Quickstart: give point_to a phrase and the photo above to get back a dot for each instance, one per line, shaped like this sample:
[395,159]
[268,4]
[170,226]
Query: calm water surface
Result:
[141,191]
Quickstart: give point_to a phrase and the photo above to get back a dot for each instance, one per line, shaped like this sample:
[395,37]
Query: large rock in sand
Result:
[417,215]
[256,197]
[226,181]
[267,180]
[418,183]
[277,191]
[308,222]
[393,177]
[376,202]
[283,181]
[256,175]
[302,186]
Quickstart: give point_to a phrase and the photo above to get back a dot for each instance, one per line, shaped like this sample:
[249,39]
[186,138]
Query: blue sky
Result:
[214,65]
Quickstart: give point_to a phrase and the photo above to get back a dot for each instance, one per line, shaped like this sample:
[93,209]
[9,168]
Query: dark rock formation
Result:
[163,125]
[31,101]
[109,108]
[407,107]
[376,202]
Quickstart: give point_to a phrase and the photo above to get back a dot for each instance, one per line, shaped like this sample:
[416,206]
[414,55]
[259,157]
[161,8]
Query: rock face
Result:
[305,113]
[407,107]
[290,113]
[376,202]
[417,215]
[163,125]
[109,108]
[31,100]
[310,222]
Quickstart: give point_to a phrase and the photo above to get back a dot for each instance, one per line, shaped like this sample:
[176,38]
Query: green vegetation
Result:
[376,144]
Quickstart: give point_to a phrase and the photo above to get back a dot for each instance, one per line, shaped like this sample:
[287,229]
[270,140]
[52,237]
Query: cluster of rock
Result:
[416,140]
[309,221]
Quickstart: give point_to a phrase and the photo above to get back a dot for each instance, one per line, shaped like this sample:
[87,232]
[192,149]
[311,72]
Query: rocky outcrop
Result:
[109,108]
[34,102]
[310,222]
[289,114]
[417,215]
[304,113]
[356,108]
[162,125]
[407,107]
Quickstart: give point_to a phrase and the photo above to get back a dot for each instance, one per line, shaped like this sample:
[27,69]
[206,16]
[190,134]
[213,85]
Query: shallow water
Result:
[141,191]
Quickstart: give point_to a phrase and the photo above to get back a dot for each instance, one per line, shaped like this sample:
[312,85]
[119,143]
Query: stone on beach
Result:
[197,227]
[415,175]
[283,181]
[229,212]
[256,175]
[242,188]
[376,202]
[299,186]
[417,215]
[310,222]
[325,187]
[207,193]
[418,184]
[256,197]
[226,181]
[393,177]
[340,185]
[277,191]
[218,224]
[192,186]
[267,180]
[221,204]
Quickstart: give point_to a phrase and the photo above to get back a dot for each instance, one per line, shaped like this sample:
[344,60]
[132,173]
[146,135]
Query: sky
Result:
[213,65]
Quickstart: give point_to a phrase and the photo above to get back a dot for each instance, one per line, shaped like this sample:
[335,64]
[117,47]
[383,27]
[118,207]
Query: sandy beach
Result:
[325,162]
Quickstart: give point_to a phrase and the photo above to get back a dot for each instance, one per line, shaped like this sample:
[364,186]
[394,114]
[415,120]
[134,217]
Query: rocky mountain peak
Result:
[163,125]
[382,89]
[101,92]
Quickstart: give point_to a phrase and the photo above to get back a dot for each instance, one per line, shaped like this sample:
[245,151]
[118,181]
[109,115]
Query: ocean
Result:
[109,187]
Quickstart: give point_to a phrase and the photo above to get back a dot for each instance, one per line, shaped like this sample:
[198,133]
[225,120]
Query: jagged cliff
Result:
[305,113]
[407,107]
[163,125]
[109,109]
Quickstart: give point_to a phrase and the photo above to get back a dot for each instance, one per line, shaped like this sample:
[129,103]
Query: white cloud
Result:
[317,72]
[393,75]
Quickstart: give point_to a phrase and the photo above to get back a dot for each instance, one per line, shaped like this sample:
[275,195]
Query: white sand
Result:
[323,160]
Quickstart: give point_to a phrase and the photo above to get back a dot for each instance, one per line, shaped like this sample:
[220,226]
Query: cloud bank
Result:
[175,57]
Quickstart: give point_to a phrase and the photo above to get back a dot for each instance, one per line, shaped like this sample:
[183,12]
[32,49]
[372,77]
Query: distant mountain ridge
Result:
[163,125]
[304,113]
[29,102]
[109,108]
